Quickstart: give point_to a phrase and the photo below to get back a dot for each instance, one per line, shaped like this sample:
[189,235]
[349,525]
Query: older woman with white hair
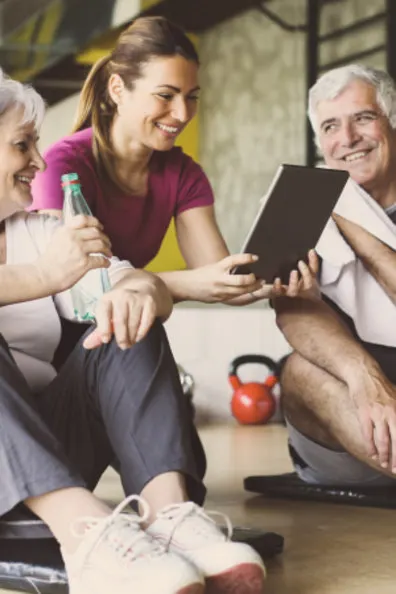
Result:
[115,399]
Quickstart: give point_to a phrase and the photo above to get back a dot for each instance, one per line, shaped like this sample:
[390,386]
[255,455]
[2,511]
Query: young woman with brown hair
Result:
[134,104]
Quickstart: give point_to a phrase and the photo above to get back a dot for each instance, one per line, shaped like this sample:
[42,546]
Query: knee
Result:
[290,374]
[293,381]
[154,342]
[153,349]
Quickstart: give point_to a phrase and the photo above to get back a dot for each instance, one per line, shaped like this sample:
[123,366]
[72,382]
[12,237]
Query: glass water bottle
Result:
[86,292]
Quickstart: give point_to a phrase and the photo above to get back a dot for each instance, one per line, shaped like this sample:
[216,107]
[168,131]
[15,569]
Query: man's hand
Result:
[375,400]
[305,285]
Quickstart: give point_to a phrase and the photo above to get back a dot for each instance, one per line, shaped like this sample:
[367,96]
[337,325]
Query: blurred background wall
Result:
[254,75]
[254,98]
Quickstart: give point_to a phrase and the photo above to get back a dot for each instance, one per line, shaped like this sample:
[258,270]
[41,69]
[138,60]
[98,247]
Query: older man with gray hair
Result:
[339,385]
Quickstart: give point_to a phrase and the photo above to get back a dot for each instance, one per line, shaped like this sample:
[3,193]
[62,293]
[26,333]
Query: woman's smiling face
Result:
[20,160]
[161,104]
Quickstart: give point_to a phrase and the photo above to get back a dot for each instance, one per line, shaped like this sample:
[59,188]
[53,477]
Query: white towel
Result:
[345,280]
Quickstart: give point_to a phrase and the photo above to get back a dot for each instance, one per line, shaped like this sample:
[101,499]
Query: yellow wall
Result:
[147,3]
[169,256]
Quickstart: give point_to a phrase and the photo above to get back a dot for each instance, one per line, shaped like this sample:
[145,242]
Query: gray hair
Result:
[333,82]
[15,94]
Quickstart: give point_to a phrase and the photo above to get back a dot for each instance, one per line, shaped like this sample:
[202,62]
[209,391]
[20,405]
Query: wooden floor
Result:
[330,549]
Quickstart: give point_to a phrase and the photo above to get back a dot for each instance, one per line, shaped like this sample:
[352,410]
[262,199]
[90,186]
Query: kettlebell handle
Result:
[262,359]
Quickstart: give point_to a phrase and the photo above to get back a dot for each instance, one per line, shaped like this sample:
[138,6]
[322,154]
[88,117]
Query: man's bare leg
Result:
[319,406]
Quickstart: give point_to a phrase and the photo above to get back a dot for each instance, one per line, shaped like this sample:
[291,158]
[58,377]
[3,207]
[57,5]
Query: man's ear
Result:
[116,88]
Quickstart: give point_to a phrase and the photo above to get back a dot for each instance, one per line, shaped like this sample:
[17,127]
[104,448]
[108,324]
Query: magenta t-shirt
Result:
[136,225]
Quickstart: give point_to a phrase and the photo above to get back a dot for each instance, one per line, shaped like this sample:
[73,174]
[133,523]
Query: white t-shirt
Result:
[32,329]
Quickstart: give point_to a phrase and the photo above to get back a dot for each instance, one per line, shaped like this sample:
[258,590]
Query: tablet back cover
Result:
[299,204]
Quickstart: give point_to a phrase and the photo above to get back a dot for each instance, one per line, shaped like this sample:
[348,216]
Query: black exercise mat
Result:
[32,565]
[290,486]
[35,565]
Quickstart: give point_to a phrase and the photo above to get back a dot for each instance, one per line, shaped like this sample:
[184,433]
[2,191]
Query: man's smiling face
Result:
[356,136]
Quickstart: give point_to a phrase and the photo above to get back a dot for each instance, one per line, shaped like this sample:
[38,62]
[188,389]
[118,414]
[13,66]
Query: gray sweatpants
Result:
[106,406]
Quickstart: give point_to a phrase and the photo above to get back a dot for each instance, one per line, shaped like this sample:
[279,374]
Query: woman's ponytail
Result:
[92,94]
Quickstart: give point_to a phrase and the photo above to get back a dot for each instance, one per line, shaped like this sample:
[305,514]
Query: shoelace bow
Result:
[189,510]
[136,544]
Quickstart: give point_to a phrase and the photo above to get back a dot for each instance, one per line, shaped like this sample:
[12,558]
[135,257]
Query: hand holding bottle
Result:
[75,248]
[91,286]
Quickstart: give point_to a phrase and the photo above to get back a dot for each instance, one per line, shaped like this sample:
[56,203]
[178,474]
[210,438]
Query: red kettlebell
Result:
[253,403]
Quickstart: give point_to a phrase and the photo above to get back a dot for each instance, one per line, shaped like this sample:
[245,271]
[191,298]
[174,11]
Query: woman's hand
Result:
[75,248]
[124,313]
[302,283]
[215,283]
[128,311]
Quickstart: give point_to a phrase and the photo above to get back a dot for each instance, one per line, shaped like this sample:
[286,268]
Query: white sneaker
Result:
[229,567]
[116,555]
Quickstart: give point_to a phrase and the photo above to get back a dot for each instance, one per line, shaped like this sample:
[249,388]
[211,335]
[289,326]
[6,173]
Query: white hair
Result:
[15,94]
[333,82]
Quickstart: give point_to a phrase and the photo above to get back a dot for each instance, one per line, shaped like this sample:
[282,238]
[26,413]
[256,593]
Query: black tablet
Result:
[290,222]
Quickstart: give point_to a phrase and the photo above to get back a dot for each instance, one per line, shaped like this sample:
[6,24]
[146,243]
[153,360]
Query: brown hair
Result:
[144,39]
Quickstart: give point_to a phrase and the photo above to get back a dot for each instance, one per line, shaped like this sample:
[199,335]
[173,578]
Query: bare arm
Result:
[199,237]
[52,212]
[208,277]
[66,259]
[200,243]
[378,258]
[23,282]
[317,333]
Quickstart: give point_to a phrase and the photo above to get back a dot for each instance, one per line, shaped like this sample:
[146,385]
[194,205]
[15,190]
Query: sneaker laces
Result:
[130,541]
[190,512]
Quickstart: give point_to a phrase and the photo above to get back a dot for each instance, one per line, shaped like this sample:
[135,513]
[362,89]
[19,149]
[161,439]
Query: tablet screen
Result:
[290,222]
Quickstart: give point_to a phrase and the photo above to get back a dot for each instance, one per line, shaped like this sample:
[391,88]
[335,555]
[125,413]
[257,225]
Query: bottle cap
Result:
[69,178]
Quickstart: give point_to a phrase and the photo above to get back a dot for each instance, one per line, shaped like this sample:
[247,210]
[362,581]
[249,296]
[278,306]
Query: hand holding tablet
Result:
[290,222]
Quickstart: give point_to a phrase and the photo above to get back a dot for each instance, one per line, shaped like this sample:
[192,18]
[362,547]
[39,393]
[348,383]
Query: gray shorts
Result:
[317,464]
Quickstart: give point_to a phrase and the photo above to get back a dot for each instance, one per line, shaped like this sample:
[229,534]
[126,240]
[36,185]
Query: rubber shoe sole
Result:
[247,578]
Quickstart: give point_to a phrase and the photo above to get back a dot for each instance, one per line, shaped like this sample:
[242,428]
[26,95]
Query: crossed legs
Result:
[319,406]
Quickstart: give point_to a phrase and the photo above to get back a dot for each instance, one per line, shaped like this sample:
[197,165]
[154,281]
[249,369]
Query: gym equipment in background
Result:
[186,380]
[253,403]
[187,383]
[290,486]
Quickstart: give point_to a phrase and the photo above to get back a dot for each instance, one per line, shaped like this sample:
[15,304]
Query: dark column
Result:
[312,67]
[391,37]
